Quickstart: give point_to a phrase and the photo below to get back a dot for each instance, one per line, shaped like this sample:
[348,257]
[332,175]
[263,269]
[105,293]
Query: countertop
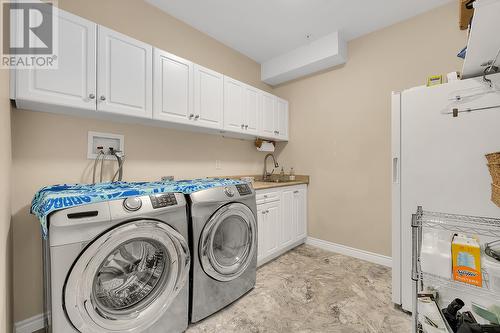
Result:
[258,185]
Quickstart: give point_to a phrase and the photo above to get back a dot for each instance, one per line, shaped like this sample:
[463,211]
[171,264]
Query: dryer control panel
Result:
[243,189]
[163,200]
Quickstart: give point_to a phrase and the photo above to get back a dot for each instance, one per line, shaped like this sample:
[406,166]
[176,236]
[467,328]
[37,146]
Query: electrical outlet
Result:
[106,141]
[218,165]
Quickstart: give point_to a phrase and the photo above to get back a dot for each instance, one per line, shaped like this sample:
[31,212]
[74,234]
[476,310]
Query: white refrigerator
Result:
[438,160]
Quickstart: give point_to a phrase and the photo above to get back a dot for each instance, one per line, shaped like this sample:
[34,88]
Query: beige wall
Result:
[5,216]
[340,125]
[50,149]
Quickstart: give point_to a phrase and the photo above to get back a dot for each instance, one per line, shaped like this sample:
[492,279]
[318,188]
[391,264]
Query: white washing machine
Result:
[119,266]
[224,247]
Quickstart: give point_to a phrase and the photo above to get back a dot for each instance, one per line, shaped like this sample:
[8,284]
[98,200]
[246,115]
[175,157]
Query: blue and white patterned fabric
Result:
[56,197]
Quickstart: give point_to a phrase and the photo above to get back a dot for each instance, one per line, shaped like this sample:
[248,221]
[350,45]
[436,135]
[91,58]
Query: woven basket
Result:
[495,194]
[495,172]
[493,158]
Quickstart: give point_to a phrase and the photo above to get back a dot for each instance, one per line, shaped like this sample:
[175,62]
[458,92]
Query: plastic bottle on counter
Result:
[292,174]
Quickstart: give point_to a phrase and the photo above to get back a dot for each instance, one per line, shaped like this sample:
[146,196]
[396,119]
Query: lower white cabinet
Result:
[282,220]
[269,223]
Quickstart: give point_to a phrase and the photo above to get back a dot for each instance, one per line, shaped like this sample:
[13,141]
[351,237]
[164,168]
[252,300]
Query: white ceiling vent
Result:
[323,53]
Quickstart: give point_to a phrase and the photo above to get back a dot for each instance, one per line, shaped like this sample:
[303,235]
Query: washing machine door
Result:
[228,242]
[126,279]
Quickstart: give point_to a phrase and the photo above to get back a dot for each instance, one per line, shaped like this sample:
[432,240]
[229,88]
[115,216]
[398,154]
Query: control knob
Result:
[132,204]
[229,191]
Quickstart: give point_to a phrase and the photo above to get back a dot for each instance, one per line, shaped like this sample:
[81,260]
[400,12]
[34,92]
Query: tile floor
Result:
[311,290]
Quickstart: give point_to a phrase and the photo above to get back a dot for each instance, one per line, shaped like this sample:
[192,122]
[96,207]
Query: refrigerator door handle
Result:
[395,170]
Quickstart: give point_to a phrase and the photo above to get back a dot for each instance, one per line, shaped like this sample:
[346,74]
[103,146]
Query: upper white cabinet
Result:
[103,70]
[173,88]
[274,117]
[252,109]
[269,116]
[242,105]
[73,84]
[234,99]
[125,75]
[208,97]
[281,119]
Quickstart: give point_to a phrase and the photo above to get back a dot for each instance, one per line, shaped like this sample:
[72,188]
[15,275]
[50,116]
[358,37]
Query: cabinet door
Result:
[300,212]
[282,118]
[252,109]
[234,105]
[289,220]
[261,232]
[273,227]
[125,75]
[173,88]
[208,97]
[73,84]
[268,115]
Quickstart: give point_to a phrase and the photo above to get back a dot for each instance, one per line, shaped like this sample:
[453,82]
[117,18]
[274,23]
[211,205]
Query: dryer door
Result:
[228,242]
[126,279]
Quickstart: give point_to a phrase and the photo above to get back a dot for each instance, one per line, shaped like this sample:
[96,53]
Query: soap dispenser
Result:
[292,174]
[282,174]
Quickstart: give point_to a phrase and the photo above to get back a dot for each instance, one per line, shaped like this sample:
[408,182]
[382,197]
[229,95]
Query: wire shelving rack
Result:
[470,225]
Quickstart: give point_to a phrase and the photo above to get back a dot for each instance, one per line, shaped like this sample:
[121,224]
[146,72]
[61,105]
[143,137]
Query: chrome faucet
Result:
[265,174]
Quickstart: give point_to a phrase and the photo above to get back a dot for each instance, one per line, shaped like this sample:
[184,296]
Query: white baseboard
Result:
[30,325]
[351,252]
[263,261]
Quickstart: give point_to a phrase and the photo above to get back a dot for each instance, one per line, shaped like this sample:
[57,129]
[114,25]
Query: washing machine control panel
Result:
[243,189]
[163,200]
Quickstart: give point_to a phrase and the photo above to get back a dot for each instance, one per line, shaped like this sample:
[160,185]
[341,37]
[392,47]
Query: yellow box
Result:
[434,80]
[466,259]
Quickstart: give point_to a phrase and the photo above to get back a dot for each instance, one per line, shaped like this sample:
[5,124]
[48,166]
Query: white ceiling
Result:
[263,29]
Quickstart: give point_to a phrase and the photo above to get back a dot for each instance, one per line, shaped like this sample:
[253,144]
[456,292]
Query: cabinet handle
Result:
[197,116]
[103,98]
[277,132]
[246,126]
[91,96]
[267,211]
[265,196]
[295,191]
[242,126]
[191,115]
